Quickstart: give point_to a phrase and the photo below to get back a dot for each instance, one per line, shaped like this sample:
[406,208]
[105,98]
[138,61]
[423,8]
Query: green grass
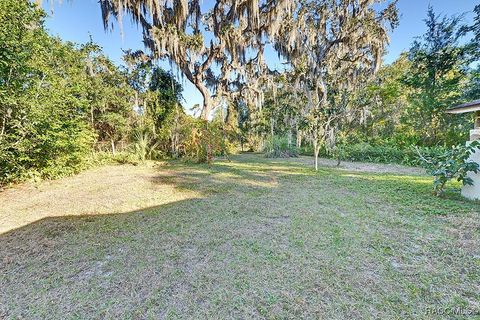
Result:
[265,239]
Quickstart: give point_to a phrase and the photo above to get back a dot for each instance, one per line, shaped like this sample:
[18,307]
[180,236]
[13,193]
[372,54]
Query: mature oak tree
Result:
[215,48]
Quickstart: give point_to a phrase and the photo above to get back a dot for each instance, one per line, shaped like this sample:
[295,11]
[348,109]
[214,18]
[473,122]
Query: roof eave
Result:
[460,109]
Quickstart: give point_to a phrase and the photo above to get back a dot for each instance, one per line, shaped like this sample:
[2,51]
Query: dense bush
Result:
[202,141]
[144,146]
[60,101]
[279,147]
[368,153]
[43,99]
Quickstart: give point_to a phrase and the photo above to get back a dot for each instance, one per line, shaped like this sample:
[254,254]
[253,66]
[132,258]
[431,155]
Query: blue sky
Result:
[76,20]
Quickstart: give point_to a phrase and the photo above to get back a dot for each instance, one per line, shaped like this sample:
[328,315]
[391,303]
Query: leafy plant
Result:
[144,146]
[452,164]
[57,99]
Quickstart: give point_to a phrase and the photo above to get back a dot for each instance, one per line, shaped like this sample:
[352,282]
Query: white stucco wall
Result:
[473,192]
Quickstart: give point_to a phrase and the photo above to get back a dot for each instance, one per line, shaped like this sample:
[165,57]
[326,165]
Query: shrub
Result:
[49,150]
[44,131]
[385,153]
[452,164]
[278,147]
[125,158]
[369,153]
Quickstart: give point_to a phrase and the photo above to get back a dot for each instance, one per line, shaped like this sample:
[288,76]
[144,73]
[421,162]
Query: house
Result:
[472,106]
[473,191]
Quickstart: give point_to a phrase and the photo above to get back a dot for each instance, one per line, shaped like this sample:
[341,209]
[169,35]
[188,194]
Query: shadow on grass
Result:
[106,266]
[158,259]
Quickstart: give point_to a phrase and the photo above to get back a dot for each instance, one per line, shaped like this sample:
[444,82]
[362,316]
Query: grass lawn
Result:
[251,238]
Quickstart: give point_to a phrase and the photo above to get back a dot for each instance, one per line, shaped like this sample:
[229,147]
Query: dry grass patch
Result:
[104,190]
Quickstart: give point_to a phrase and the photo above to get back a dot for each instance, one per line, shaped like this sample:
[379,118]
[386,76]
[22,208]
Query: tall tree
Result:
[341,40]
[439,65]
[165,96]
[109,95]
[157,98]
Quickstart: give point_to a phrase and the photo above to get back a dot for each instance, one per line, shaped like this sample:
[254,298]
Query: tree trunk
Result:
[173,144]
[299,139]
[136,100]
[175,134]
[316,148]
[113,146]
[207,103]
[231,116]
[271,128]
[290,136]
[224,135]
[321,103]
[4,123]
[298,135]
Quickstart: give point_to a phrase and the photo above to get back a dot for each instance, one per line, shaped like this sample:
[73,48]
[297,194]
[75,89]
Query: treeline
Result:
[65,106]
[384,117]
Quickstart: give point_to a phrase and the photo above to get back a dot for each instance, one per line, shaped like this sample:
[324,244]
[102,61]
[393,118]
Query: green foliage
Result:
[162,98]
[376,153]
[278,147]
[56,99]
[452,164]
[436,80]
[101,158]
[60,102]
[383,118]
[157,101]
[43,99]
[403,106]
[108,94]
[366,152]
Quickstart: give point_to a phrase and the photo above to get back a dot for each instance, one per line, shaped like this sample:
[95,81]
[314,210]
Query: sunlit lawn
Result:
[252,238]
